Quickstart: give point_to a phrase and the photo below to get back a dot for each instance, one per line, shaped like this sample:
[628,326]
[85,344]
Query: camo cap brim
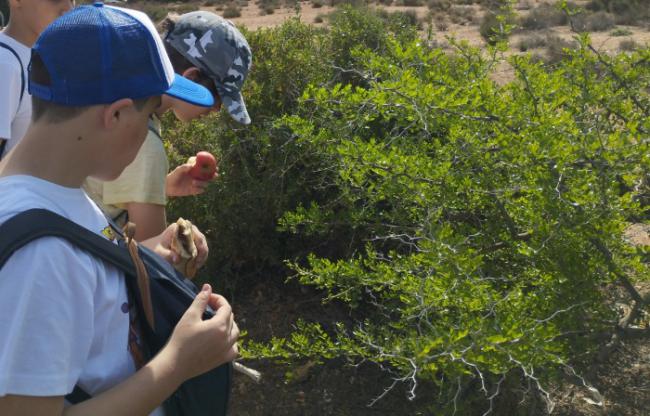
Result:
[215,46]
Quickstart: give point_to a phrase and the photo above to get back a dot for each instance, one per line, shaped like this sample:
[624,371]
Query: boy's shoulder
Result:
[6,56]
[22,192]
[10,67]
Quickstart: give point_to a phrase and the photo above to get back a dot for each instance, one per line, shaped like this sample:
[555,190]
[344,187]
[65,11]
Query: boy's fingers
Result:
[217,301]
[234,331]
[197,307]
[167,254]
[168,234]
[223,311]
[199,184]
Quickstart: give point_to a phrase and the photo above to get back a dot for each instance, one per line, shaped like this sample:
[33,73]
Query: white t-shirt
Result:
[63,314]
[15,114]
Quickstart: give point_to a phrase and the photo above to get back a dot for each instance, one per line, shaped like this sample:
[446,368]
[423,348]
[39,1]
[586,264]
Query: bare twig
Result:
[254,375]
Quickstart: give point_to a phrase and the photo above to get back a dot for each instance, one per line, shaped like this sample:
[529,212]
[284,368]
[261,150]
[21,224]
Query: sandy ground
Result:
[252,17]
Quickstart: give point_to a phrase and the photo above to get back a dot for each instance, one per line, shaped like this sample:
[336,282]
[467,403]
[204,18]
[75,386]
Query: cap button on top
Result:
[98,4]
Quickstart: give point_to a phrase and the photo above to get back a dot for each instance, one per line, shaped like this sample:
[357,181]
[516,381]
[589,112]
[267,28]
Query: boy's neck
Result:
[20,33]
[48,152]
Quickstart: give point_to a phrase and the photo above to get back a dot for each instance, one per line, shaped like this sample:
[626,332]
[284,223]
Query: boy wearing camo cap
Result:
[206,49]
[218,50]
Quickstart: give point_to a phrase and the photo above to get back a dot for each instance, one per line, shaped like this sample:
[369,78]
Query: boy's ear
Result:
[111,113]
[192,73]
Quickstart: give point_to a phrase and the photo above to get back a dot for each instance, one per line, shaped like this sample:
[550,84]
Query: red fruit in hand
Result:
[205,165]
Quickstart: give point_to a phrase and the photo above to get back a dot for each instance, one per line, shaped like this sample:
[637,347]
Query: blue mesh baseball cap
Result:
[100,54]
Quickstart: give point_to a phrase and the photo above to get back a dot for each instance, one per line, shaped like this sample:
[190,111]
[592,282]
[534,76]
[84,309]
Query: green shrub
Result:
[626,12]
[599,22]
[473,231]
[440,23]
[523,5]
[316,4]
[542,17]
[494,27]
[260,175]
[352,28]
[155,11]
[621,32]
[533,42]
[411,3]
[406,18]
[461,14]
[484,223]
[267,9]
[558,50]
[185,8]
[441,5]
[628,45]
[347,3]
[596,5]
[231,11]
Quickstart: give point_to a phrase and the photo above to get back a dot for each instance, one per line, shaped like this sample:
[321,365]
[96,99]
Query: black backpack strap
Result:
[3,143]
[78,395]
[36,223]
[22,72]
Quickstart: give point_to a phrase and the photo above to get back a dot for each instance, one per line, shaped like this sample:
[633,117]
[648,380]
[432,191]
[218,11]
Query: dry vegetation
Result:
[540,27]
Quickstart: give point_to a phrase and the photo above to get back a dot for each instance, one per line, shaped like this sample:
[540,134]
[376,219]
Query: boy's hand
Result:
[197,346]
[163,246]
[180,183]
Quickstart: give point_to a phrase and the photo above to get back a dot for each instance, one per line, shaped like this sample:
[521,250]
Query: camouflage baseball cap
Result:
[215,46]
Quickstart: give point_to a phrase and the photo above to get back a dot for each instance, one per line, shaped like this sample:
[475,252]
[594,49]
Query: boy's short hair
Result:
[42,109]
[100,54]
[179,62]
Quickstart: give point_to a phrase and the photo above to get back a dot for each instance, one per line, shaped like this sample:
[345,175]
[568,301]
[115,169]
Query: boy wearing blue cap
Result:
[209,50]
[96,75]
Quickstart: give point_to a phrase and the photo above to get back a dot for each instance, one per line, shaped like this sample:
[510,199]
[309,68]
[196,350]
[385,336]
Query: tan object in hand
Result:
[183,244]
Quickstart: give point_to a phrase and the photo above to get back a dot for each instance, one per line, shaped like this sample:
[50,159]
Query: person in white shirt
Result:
[97,74]
[28,18]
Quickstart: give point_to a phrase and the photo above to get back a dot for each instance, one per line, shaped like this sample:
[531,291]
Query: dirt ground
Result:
[339,388]
[333,388]
[623,381]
